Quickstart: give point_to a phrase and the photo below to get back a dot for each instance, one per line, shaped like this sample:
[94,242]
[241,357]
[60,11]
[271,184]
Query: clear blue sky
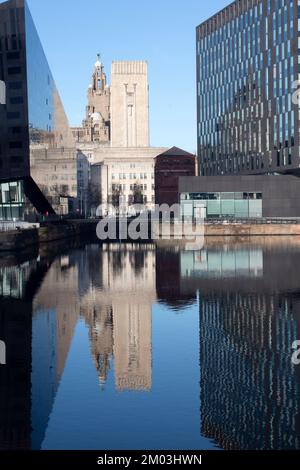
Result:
[159,31]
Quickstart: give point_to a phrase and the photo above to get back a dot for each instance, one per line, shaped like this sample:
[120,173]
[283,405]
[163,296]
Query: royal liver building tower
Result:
[118,114]
[96,125]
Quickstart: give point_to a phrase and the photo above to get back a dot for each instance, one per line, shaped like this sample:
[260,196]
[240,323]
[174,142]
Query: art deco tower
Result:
[129,104]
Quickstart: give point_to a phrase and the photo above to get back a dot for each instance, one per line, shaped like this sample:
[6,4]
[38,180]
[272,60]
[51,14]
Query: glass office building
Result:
[32,116]
[247,68]
[213,205]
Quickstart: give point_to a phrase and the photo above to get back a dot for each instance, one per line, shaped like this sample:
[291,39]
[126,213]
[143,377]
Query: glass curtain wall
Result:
[242,205]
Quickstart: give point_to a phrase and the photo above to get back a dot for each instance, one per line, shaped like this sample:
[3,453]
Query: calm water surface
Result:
[151,347]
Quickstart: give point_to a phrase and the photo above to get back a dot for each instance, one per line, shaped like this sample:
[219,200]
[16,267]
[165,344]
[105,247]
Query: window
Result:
[13,55]
[15,130]
[14,70]
[15,145]
[13,116]
[17,100]
[16,160]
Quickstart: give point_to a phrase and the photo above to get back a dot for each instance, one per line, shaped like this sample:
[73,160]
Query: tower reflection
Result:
[119,314]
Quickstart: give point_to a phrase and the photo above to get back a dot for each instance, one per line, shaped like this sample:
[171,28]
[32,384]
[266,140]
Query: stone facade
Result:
[55,172]
[96,125]
[114,137]
[117,115]
[129,104]
[128,173]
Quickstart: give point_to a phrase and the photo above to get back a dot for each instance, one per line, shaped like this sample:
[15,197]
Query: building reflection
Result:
[249,317]
[37,319]
[42,299]
[168,278]
[249,302]
[17,280]
[119,313]
[15,380]
[55,314]
[249,387]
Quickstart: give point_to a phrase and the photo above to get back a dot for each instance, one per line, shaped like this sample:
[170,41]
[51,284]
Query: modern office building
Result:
[242,197]
[247,65]
[31,112]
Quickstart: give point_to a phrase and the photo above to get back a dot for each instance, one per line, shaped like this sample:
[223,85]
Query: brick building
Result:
[169,166]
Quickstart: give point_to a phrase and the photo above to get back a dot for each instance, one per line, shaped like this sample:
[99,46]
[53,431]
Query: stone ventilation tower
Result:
[129,104]
[97,122]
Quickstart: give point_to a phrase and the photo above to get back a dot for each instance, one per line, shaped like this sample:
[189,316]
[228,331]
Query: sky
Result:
[159,31]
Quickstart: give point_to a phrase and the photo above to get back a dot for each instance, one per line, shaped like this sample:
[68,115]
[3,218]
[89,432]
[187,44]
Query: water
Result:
[151,347]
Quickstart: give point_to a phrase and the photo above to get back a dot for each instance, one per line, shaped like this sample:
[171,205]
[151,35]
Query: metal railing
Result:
[9,226]
[254,221]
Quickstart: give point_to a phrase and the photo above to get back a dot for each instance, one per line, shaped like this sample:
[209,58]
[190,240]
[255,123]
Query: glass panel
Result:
[241,209]
[187,209]
[228,208]
[213,208]
[255,208]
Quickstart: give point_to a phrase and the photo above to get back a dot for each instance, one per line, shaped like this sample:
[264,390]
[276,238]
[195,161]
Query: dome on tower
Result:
[96,117]
[98,64]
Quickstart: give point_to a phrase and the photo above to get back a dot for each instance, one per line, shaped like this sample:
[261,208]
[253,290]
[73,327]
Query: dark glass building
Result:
[247,67]
[31,113]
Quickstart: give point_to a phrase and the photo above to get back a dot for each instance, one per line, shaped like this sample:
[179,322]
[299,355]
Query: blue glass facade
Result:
[247,66]
[32,117]
[48,123]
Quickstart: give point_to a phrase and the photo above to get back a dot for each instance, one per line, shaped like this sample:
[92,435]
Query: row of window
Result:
[61,177]
[132,176]
[63,188]
[118,199]
[221,196]
[244,86]
[132,187]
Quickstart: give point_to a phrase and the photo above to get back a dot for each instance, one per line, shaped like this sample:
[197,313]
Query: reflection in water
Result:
[249,318]
[249,388]
[222,263]
[249,302]
[118,312]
